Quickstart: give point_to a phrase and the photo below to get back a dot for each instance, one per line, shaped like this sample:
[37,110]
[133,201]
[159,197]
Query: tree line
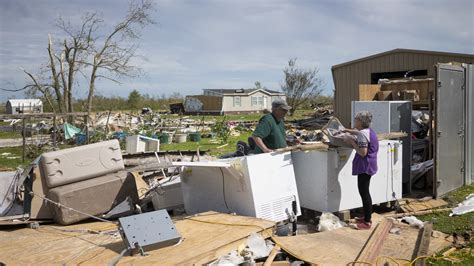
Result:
[134,102]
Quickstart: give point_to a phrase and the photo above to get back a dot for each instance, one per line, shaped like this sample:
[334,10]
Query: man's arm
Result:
[261,145]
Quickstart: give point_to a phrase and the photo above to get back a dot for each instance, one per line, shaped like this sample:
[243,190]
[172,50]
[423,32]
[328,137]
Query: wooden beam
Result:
[423,244]
[373,246]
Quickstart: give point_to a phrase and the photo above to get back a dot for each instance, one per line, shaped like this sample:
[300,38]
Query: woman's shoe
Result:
[363,225]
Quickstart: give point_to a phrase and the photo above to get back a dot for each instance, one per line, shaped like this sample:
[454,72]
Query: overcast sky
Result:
[231,44]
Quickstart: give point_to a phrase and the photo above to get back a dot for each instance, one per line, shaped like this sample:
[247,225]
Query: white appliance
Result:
[137,144]
[261,186]
[168,194]
[326,184]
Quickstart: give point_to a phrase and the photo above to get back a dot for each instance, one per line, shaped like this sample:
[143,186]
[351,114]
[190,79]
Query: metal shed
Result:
[23,106]
[391,64]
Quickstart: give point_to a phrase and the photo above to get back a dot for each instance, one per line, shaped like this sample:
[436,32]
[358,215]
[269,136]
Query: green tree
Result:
[300,85]
[134,99]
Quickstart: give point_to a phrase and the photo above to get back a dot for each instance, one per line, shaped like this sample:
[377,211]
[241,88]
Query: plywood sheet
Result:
[202,242]
[368,92]
[341,246]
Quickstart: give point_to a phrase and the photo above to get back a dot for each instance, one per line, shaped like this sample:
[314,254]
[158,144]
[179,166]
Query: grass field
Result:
[10,158]
[459,225]
[208,144]
[9,135]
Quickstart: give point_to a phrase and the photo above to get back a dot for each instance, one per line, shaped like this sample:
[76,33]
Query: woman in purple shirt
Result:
[365,163]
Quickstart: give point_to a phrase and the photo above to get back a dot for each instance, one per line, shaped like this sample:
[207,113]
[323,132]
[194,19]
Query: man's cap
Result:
[280,103]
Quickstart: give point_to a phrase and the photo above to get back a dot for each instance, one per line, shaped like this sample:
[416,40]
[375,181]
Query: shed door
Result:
[450,129]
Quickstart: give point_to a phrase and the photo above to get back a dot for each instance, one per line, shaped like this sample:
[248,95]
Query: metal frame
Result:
[469,111]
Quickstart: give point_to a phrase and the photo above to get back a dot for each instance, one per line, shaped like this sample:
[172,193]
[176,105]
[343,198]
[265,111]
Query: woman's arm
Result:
[361,151]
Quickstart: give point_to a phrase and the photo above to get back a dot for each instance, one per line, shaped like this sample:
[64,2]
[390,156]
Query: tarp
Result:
[70,131]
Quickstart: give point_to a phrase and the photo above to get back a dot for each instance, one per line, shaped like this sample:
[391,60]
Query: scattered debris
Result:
[395,230]
[329,221]
[464,207]
[413,221]
[258,247]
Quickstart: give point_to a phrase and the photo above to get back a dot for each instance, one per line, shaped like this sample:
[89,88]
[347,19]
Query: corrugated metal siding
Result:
[347,78]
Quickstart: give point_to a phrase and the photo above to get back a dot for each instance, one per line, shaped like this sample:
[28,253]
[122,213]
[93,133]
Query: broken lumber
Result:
[373,246]
[421,205]
[422,244]
[399,215]
[271,257]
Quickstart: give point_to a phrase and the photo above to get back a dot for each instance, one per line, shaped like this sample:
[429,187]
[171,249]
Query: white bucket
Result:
[180,138]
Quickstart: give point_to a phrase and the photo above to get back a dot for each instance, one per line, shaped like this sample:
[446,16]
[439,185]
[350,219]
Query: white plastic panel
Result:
[80,163]
[273,185]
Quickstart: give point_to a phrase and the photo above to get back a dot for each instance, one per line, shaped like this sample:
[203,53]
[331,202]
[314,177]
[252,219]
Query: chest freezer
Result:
[326,184]
[261,186]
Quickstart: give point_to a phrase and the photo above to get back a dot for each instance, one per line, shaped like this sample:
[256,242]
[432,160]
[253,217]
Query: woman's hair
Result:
[365,118]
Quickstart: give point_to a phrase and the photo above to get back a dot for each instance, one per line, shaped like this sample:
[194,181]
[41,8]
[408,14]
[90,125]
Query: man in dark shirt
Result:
[270,132]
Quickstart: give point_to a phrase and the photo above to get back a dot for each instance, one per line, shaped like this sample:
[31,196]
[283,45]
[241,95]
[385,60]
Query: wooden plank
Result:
[415,206]
[205,237]
[368,92]
[341,246]
[272,256]
[423,244]
[373,246]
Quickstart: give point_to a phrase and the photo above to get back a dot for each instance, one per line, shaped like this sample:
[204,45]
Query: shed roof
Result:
[25,102]
[401,50]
